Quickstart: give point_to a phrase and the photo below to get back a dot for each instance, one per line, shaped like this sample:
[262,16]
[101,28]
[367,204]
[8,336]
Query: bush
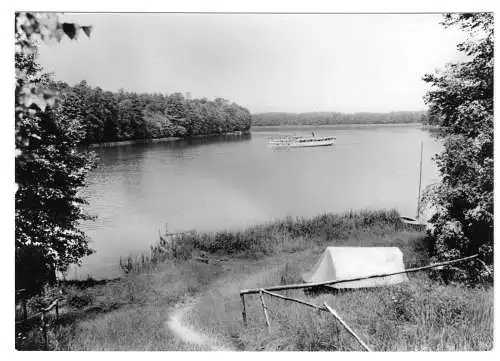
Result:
[79,300]
[461,101]
[31,261]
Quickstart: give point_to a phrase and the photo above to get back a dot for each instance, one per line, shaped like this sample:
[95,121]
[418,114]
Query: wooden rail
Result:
[326,283]
[346,326]
[305,303]
[43,319]
[326,307]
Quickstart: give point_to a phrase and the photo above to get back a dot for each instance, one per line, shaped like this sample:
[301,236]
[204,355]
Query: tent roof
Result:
[351,262]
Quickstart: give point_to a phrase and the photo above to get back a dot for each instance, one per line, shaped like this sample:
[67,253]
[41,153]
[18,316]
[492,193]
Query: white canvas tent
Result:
[351,262]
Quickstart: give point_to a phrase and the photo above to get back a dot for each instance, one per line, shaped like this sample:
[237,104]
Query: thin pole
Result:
[315,284]
[346,326]
[244,309]
[25,309]
[264,309]
[51,306]
[294,300]
[420,179]
[44,332]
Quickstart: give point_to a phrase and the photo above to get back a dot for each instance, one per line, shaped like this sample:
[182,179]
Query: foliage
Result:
[30,29]
[107,116]
[49,168]
[461,100]
[78,300]
[332,118]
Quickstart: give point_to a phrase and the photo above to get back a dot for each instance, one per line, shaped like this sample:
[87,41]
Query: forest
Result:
[332,118]
[106,116]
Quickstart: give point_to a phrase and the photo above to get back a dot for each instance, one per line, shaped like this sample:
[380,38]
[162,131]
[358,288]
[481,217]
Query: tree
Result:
[175,110]
[49,168]
[107,116]
[461,102]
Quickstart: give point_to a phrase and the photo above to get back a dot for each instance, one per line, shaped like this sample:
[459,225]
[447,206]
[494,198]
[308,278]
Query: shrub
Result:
[461,101]
[79,300]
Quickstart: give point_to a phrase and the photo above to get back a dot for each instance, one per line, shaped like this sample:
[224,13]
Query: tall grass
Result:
[420,315]
[124,314]
[289,234]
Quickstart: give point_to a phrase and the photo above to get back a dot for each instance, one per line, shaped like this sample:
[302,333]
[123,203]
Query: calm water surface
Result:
[231,182]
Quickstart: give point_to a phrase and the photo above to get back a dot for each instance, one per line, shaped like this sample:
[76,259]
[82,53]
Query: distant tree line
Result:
[106,116]
[332,118]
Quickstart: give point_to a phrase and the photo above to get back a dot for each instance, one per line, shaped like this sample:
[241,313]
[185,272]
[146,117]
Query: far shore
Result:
[161,140]
[256,128]
[345,125]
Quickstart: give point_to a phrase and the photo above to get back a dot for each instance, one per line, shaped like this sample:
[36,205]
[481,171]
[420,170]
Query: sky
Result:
[264,62]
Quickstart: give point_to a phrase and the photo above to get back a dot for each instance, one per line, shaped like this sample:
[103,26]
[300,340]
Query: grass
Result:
[124,314]
[289,235]
[418,315]
[130,313]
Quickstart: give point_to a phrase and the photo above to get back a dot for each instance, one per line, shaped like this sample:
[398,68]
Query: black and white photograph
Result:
[252,180]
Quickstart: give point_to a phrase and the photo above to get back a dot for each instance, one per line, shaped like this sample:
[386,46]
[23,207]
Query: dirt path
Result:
[177,320]
[229,283]
[179,326]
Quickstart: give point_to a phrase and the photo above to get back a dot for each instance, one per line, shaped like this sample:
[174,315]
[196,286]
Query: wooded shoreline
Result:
[246,132]
[161,140]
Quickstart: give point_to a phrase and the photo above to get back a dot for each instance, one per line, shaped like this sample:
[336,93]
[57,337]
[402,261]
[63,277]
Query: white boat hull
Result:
[302,144]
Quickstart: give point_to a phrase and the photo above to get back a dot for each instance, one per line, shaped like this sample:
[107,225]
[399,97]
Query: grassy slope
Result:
[418,315]
[144,302]
[130,313]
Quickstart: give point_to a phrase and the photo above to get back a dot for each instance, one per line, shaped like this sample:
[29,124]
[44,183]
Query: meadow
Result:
[209,269]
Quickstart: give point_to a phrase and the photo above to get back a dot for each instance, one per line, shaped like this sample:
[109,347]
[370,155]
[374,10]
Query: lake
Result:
[235,181]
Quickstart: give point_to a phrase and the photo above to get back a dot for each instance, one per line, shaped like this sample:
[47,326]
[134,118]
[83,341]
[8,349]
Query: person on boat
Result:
[313,134]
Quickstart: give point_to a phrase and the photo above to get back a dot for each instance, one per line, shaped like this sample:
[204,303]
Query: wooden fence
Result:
[326,308]
[42,314]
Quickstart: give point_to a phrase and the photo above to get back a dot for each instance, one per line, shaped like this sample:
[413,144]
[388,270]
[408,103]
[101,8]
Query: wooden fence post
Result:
[44,332]
[244,310]
[264,308]
[25,309]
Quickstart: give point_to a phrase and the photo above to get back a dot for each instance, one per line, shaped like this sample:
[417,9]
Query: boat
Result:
[417,223]
[284,139]
[299,141]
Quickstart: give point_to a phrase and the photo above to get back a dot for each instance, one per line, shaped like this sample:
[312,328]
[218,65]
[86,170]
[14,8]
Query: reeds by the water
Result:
[264,239]
[169,247]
